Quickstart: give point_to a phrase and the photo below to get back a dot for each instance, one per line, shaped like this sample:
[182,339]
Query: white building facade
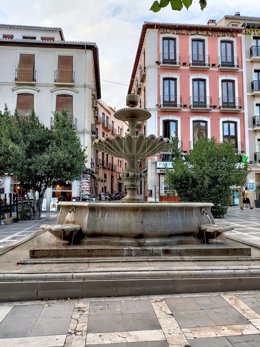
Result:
[41,71]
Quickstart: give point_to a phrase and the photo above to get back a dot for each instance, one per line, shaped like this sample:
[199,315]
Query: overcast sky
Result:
[115,26]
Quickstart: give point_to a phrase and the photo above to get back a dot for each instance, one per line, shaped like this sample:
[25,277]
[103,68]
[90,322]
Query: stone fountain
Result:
[132,219]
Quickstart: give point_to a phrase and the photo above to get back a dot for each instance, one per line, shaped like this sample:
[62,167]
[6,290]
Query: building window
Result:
[228,94]
[199,93]
[65,73]
[255,49]
[47,38]
[256,82]
[257,110]
[170,92]
[170,129]
[230,133]
[25,104]
[103,119]
[8,36]
[26,68]
[29,37]
[169,51]
[198,52]
[200,130]
[113,127]
[64,103]
[227,53]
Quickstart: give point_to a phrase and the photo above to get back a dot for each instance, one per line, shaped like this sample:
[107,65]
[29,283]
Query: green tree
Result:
[9,152]
[39,156]
[176,5]
[207,173]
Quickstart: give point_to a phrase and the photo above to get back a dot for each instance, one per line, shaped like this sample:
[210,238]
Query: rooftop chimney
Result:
[212,22]
[237,14]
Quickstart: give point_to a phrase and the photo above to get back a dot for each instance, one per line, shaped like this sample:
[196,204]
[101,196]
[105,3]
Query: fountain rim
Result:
[131,113]
[136,204]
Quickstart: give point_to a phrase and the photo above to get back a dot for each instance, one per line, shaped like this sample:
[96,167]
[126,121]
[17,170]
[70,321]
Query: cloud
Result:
[115,26]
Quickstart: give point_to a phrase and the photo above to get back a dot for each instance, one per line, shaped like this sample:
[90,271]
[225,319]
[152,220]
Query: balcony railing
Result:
[255,86]
[172,102]
[27,75]
[74,121]
[255,51]
[142,74]
[256,121]
[113,130]
[98,119]
[202,61]
[232,104]
[230,62]
[24,112]
[64,76]
[170,59]
[202,103]
[93,130]
[257,157]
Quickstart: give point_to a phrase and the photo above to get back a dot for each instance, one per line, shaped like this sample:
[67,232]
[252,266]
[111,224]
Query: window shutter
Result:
[65,103]
[26,68]
[65,68]
[25,104]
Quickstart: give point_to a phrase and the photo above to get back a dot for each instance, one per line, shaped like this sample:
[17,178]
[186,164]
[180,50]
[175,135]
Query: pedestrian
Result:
[246,200]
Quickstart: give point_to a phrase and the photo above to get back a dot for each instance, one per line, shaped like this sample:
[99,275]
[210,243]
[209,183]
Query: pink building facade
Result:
[190,77]
[108,169]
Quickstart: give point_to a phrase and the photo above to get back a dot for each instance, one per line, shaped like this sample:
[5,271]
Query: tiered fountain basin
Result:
[134,220]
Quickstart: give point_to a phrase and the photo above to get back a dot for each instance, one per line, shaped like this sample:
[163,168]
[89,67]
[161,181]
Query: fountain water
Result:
[132,218]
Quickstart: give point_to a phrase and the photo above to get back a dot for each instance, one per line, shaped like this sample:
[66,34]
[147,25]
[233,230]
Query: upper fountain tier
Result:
[133,147]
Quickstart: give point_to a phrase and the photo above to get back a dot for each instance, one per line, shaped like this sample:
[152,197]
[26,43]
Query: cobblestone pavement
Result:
[196,320]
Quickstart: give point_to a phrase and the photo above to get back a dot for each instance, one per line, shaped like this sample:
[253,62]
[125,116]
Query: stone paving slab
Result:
[228,319]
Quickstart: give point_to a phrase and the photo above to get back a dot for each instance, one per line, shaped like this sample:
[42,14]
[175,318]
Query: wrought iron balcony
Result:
[170,59]
[203,103]
[257,157]
[254,51]
[256,121]
[73,120]
[255,86]
[227,63]
[64,76]
[171,102]
[230,104]
[199,61]
[25,75]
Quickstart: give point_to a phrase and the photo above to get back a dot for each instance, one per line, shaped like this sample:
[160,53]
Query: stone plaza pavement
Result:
[219,319]
[196,320]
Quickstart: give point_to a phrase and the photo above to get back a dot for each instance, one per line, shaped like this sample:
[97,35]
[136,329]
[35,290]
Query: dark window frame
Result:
[202,98]
[198,124]
[166,48]
[170,99]
[228,99]
[227,59]
[167,128]
[228,137]
[198,58]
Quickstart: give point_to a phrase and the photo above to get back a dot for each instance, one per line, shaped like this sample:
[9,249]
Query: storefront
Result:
[167,193]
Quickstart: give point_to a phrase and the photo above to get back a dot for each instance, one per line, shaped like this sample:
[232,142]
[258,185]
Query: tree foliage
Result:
[176,5]
[207,174]
[38,156]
